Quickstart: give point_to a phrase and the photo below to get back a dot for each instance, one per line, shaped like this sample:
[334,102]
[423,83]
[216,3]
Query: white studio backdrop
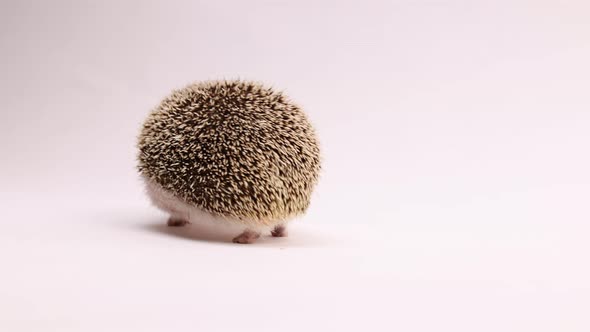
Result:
[454,195]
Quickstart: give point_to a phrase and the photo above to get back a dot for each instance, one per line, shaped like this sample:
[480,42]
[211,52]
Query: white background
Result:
[455,189]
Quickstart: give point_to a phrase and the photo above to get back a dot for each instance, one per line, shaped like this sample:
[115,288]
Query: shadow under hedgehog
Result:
[229,152]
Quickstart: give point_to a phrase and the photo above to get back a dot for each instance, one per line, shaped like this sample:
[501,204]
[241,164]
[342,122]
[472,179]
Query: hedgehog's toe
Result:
[175,222]
[246,237]
[279,231]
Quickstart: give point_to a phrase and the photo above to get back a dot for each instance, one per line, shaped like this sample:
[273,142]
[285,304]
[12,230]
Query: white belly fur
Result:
[179,209]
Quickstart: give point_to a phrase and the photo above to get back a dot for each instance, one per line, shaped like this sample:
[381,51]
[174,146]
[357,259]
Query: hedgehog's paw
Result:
[176,222]
[279,231]
[246,237]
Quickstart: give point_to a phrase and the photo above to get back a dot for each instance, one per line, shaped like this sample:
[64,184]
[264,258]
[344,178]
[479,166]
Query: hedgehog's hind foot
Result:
[279,231]
[247,236]
[177,222]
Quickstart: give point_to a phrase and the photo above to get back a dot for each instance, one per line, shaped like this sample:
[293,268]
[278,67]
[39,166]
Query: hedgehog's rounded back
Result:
[232,148]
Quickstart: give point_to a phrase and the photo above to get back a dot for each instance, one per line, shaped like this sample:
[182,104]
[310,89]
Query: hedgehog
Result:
[229,152]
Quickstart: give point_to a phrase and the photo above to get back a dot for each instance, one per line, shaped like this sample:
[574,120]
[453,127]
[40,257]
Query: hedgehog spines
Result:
[232,148]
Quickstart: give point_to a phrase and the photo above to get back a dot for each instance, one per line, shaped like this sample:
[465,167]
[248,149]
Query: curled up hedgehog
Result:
[231,152]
